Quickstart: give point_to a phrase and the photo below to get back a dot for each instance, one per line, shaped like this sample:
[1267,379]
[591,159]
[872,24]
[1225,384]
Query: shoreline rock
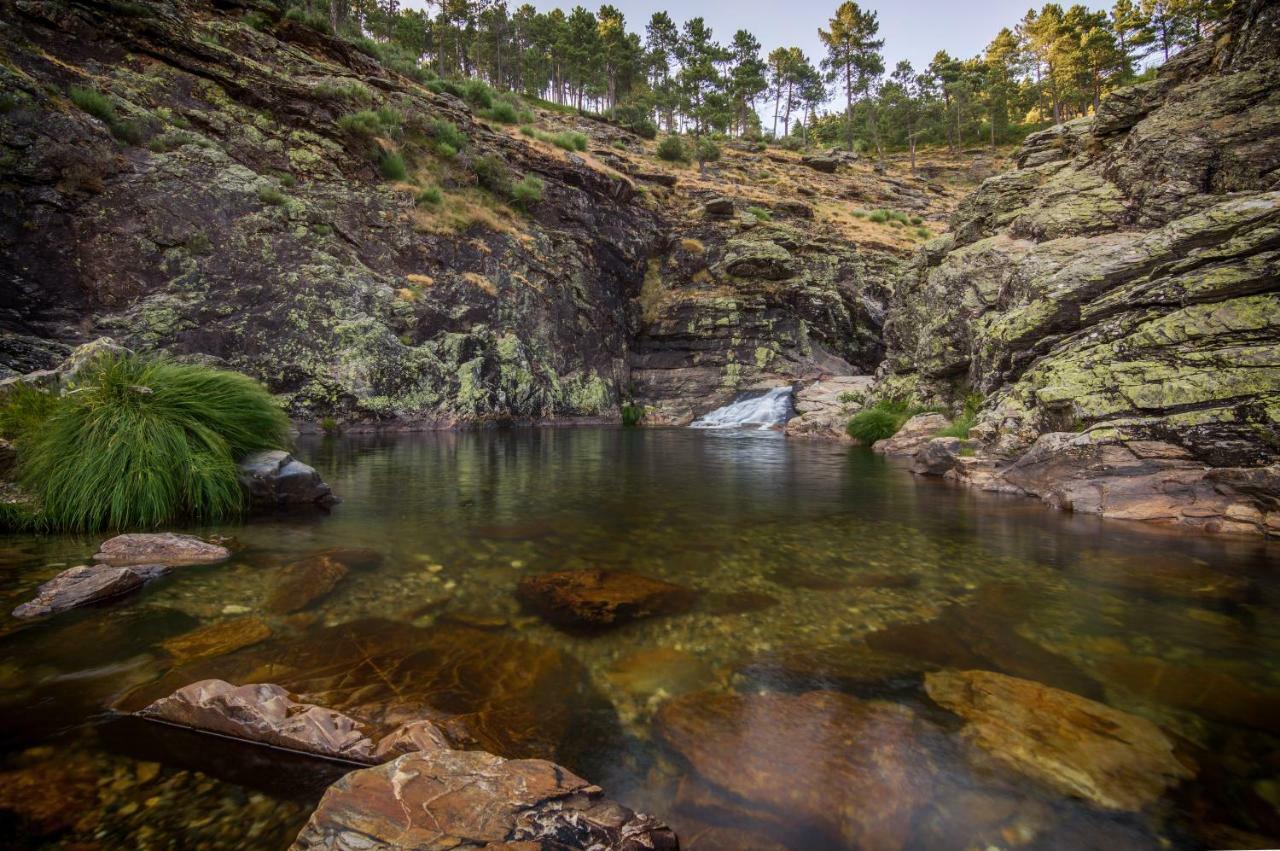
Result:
[159,548]
[84,585]
[274,479]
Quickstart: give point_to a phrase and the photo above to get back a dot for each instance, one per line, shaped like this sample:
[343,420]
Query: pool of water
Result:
[826,581]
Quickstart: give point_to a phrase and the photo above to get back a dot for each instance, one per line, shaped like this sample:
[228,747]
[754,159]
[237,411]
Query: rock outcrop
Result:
[1116,293]
[275,478]
[824,408]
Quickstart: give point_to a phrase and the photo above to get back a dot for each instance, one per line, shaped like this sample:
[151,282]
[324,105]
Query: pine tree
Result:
[853,55]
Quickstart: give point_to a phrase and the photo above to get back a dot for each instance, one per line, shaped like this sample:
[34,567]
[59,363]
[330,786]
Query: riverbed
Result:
[814,567]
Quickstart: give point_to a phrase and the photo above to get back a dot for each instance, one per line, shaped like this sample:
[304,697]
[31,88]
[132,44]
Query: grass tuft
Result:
[142,442]
[879,422]
[392,166]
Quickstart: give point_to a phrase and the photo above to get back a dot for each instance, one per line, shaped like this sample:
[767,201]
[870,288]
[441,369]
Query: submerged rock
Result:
[812,762]
[301,583]
[1074,745]
[276,478]
[1214,694]
[601,598]
[82,585]
[217,639]
[159,548]
[446,798]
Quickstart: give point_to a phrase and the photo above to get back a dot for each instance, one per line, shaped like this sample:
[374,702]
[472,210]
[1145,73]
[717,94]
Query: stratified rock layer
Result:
[1121,283]
[159,548]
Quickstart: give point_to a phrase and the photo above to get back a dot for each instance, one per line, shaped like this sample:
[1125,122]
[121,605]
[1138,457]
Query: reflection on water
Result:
[829,585]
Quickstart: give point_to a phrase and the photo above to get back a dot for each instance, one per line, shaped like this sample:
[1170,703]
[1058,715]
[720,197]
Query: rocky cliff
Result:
[224,200]
[1114,300]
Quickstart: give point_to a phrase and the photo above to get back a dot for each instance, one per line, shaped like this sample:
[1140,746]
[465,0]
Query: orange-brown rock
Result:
[1074,745]
[440,799]
[600,598]
[217,639]
[853,772]
[303,582]
[1214,694]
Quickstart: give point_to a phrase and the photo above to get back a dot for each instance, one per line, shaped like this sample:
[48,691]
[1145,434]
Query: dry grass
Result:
[693,246]
[481,282]
[460,211]
[420,280]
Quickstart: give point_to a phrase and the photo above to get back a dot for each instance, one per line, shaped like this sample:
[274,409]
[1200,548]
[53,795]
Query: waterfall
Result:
[763,411]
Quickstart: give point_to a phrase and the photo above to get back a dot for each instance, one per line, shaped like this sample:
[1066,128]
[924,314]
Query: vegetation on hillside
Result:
[138,442]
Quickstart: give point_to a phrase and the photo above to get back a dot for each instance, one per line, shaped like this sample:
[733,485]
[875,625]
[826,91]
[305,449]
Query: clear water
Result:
[798,551]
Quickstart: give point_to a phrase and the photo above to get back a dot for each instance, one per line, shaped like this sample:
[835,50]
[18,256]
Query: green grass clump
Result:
[447,133]
[880,421]
[879,216]
[924,233]
[917,221]
[23,410]
[429,197]
[478,94]
[95,103]
[570,140]
[860,214]
[672,150]
[961,425]
[271,195]
[761,214]
[632,414]
[329,425]
[314,20]
[527,192]
[142,442]
[492,173]
[363,123]
[446,151]
[392,166]
[346,90]
[504,112]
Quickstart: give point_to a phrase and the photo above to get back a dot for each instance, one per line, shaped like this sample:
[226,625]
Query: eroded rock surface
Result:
[1074,745]
[446,798]
[824,408]
[276,478]
[86,584]
[1116,293]
[596,598]
[159,548]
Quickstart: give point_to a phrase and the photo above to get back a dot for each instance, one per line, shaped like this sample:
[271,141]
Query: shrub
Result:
[329,425]
[879,422]
[791,143]
[879,216]
[363,123]
[571,140]
[924,233]
[860,214]
[478,94]
[345,90]
[504,112]
[632,414]
[95,103]
[708,151]
[447,133]
[962,424]
[634,117]
[760,213]
[527,192]
[446,150]
[429,197]
[258,21]
[314,20]
[392,166]
[270,195]
[917,221]
[492,173]
[142,442]
[672,150]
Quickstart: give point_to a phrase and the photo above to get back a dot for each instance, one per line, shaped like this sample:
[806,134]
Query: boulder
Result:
[750,257]
[596,598]
[159,548]
[826,165]
[1074,745]
[275,478]
[303,582]
[914,434]
[82,585]
[823,408]
[804,763]
[719,207]
[446,798]
[265,714]
[936,457]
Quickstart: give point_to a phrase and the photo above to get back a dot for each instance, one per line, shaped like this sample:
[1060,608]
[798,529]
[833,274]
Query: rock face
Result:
[600,598]
[159,548]
[1077,746]
[816,763]
[83,585]
[824,408]
[276,478]
[446,798]
[1120,283]
[913,435]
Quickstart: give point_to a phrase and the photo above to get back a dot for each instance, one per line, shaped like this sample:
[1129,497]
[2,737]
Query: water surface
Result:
[798,552]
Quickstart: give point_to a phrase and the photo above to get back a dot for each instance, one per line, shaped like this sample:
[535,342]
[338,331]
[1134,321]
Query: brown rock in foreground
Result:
[444,799]
[1077,746]
[854,771]
[159,548]
[217,639]
[82,585]
[303,582]
[599,598]
[265,714]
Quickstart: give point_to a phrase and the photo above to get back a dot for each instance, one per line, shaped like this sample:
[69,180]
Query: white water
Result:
[766,411]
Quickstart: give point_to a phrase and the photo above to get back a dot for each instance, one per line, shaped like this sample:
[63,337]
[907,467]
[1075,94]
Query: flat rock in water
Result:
[159,548]
[1165,577]
[853,667]
[446,798]
[1077,746]
[1216,695]
[82,585]
[217,639]
[854,771]
[303,582]
[599,598]
[265,714]
[646,672]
